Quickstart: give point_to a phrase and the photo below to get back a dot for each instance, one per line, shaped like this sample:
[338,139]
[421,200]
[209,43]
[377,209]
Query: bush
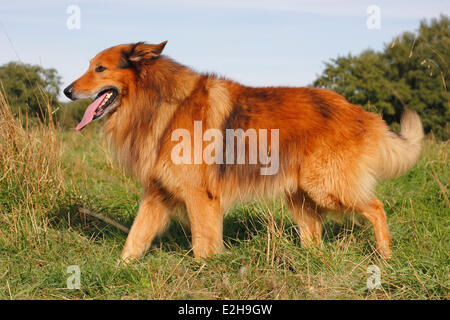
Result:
[30,89]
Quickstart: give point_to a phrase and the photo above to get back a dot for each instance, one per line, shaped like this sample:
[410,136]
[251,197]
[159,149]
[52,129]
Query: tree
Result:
[29,88]
[412,71]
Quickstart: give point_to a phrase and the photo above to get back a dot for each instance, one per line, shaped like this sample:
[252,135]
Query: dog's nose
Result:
[69,92]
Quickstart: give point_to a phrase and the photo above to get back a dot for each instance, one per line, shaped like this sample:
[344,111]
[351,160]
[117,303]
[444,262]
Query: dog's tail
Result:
[399,152]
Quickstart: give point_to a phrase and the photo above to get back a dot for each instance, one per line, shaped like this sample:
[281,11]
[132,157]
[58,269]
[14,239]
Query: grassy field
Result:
[47,174]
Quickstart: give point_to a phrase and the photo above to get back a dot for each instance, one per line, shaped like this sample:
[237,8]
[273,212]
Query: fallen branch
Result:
[104,219]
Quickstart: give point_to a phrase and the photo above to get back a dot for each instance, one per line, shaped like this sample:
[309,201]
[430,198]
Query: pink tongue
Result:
[90,112]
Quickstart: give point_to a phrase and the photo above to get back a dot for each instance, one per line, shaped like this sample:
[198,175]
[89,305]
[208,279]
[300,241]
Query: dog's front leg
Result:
[152,218]
[206,220]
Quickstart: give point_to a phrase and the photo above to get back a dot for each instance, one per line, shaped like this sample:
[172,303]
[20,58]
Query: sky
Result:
[258,43]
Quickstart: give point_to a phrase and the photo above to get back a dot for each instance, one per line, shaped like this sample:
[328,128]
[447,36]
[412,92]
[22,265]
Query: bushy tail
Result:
[399,152]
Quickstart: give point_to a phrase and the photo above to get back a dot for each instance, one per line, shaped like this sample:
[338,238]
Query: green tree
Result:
[29,88]
[412,71]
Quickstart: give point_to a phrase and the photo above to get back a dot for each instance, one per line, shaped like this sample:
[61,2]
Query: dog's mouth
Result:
[110,96]
[101,105]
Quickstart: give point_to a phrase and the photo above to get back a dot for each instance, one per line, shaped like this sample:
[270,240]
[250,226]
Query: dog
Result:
[330,154]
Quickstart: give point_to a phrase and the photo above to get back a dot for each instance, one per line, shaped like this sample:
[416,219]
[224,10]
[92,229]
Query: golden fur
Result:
[331,152]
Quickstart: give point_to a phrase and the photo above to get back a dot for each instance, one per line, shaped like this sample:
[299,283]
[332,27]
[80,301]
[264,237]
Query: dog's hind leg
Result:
[374,212]
[152,218]
[206,220]
[308,216]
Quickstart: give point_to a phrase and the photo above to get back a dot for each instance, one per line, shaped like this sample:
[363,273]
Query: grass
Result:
[46,174]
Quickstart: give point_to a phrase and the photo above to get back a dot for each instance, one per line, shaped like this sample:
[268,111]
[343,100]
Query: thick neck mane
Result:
[147,106]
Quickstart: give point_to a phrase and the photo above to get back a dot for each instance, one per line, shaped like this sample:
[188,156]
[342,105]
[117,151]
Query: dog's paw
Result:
[125,261]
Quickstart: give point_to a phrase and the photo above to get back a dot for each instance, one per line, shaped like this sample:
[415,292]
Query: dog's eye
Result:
[100,69]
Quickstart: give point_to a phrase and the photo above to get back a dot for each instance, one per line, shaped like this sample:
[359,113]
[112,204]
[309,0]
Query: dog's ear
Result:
[141,51]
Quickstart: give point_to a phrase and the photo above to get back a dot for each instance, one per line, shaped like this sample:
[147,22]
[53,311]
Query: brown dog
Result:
[325,154]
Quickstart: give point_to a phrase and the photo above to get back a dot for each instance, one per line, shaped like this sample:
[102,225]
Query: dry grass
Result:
[31,178]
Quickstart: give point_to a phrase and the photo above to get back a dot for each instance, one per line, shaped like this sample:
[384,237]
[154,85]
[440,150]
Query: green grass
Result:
[42,233]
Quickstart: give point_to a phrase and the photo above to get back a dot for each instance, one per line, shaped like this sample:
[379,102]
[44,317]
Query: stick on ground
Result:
[104,219]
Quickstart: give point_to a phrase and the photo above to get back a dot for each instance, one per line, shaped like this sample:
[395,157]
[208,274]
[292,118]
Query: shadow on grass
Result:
[238,226]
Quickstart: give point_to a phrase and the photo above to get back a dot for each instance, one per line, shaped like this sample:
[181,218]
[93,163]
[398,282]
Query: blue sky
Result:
[258,43]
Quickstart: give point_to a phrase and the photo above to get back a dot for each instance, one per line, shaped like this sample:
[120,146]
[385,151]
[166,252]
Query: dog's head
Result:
[109,76]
